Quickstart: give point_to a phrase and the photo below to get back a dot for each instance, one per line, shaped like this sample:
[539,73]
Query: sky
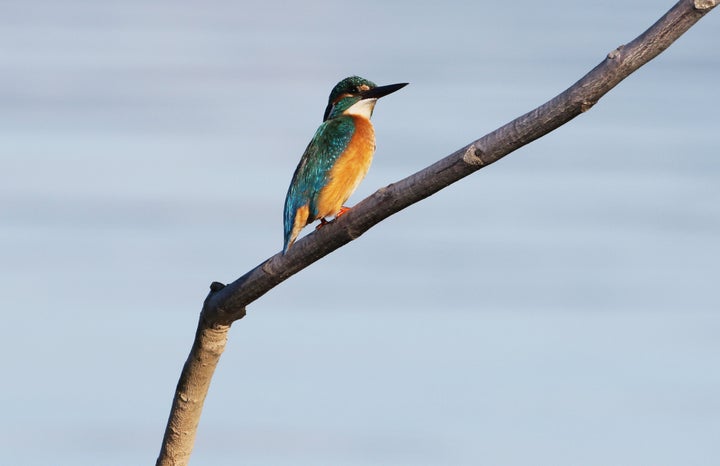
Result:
[559,307]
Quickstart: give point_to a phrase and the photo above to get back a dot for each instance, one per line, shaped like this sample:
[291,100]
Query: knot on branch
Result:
[354,233]
[385,194]
[586,105]
[269,265]
[615,53]
[224,317]
[475,156]
[216,286]
[704,4]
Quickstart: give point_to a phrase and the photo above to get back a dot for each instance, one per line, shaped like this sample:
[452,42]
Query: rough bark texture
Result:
[225,304]
[209,344]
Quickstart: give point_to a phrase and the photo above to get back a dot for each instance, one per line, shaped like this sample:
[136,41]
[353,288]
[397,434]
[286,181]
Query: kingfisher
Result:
[337,158]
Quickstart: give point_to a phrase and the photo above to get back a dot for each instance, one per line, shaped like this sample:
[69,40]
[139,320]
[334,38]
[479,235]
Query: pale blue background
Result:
[558,308]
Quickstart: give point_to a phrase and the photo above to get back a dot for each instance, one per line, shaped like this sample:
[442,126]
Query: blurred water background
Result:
[557,308]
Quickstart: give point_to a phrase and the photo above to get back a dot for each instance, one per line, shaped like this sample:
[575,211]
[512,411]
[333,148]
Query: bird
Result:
[337,158]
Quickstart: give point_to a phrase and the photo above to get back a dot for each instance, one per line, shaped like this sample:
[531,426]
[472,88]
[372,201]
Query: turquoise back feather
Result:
[311,174]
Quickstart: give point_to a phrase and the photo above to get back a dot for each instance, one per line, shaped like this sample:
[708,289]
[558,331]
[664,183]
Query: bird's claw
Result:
[343,210]
[323,222]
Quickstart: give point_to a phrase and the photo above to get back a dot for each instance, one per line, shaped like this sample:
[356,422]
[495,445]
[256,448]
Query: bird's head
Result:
[356,96]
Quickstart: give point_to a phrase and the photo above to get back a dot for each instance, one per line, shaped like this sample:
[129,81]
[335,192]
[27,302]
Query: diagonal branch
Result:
[577,99]
[225,304]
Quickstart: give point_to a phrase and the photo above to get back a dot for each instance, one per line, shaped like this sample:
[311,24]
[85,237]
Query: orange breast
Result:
[349,170]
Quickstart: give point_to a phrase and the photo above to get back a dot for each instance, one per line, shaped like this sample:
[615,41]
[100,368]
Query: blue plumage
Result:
[337,158]
[329,142]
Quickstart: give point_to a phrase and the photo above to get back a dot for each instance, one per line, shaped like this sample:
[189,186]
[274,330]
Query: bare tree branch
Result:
[225,304]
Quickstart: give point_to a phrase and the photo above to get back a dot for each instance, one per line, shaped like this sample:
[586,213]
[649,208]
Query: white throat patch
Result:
[363,108]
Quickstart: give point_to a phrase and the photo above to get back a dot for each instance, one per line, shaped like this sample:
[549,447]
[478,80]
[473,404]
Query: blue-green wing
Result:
[311,174]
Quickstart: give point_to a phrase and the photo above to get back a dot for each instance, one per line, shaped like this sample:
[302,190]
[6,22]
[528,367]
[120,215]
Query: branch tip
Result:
[704,4]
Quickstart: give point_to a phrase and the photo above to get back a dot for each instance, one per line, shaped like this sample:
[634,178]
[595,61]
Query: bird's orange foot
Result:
[343,211]
[323,222]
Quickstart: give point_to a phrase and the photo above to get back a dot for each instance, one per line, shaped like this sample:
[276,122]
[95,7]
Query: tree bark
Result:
[208,346]
[225,304]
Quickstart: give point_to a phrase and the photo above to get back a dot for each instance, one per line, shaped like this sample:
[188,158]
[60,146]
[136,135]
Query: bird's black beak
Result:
[374,93]
[381,91]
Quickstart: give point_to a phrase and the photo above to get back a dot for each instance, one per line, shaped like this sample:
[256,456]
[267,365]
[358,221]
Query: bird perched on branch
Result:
[337,158]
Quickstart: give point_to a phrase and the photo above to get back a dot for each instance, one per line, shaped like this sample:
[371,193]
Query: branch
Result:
[225,304]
